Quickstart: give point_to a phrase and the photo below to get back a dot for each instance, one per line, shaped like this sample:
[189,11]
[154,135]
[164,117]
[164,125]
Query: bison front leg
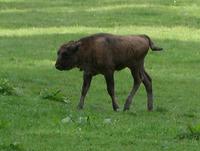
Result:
[109,77]
[86,84]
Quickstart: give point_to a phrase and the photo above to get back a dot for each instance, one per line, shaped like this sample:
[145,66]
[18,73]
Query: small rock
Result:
[66,120]
[107,121]
[82,120]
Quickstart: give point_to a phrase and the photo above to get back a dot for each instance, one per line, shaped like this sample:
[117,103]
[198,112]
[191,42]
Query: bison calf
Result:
[105,53]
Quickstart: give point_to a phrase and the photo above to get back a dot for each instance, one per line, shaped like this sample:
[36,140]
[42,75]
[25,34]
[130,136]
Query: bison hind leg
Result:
[148,86]
[137,77]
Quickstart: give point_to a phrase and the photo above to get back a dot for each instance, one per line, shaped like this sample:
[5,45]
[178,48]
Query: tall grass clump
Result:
[193,132]
[6,88]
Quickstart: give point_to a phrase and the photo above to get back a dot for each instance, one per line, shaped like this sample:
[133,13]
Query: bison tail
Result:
[151,44]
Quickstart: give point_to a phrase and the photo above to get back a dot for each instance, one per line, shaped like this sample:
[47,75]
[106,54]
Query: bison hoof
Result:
[80,107]
[126,108]
[116,107]
[150,109]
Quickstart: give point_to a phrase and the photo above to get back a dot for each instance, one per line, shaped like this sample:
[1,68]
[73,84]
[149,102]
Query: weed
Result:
[193,132]
[6,88]
[12,147]
[54,94]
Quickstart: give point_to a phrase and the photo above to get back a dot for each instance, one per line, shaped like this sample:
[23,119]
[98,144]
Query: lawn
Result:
[38,103]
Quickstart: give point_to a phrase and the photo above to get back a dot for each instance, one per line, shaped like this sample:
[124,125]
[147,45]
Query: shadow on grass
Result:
[79,13]
[44,47]
[88,3]
[189,115]
[161,109]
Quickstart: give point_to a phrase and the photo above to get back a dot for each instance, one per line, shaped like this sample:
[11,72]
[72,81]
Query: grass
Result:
[43,116]
[5,87]
[193,133]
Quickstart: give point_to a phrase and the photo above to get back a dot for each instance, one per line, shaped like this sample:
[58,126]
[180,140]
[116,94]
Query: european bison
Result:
[104,53]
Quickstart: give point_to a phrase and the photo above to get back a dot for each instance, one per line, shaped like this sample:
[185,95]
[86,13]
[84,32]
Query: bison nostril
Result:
[57,66]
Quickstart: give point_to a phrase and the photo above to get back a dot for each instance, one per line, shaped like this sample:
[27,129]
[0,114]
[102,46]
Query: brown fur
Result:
[103,54]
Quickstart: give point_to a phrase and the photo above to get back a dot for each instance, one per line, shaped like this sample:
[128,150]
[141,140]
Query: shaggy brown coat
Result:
[105,53]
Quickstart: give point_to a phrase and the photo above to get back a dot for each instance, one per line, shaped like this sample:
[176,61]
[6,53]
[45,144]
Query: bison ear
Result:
[75,46]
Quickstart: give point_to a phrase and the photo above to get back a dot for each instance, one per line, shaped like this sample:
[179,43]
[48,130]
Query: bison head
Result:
[66,55]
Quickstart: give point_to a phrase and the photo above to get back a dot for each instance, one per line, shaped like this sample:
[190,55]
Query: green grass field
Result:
[34,118]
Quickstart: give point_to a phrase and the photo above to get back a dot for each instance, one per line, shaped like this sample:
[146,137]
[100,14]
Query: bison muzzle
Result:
[104,54]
